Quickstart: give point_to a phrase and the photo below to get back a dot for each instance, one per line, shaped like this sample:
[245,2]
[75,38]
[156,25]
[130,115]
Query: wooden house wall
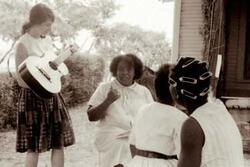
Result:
[190,39]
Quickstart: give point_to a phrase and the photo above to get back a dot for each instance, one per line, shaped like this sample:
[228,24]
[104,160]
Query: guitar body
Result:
[40,76]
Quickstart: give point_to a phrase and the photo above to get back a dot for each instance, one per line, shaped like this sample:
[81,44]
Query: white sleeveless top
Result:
[157,128]
[223,143]
[34,47]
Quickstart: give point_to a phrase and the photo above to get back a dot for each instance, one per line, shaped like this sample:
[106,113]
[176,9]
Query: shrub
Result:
[86,72]
[8,101]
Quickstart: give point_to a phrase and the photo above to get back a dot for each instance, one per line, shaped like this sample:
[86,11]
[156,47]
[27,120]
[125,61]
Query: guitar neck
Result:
[62,57]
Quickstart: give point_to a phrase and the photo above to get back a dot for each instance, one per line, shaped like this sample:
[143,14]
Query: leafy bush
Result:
[86,72]
[8,101]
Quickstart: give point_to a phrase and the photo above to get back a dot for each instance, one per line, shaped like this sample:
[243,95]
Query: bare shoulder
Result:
[21,53]
[20,48]
[192,134]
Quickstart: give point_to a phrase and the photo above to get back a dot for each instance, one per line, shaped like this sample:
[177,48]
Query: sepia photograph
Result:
[124,83]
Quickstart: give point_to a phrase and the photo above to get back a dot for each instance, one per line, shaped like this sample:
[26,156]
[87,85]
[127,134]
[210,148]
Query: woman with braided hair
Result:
[209,137]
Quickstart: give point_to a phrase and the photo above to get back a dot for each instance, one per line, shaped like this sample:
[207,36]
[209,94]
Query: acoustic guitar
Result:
[43,74]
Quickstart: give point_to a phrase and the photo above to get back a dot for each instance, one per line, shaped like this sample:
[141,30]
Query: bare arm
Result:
[21,54]
[192,141]
[99,112]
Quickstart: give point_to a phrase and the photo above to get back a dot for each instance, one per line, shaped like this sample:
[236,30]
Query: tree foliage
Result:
[86,72]
[71,16]
[152,47]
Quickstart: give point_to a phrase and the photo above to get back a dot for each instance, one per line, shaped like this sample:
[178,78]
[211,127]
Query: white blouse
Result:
[121,113]
[34,47]
[157,128]
[223,143]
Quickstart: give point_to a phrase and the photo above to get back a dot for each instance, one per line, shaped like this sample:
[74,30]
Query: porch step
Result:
[244,128]
[239,107]
[237,102]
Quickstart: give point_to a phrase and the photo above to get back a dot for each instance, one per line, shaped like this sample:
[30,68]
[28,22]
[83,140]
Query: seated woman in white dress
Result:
[155,135]
[114,105]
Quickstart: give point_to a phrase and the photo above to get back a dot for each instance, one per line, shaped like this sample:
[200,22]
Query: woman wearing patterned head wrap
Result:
[209,137]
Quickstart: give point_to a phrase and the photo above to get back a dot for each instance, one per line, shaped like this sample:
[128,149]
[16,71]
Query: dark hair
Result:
[38,14]
[162,85]
[131,59]
[191,79]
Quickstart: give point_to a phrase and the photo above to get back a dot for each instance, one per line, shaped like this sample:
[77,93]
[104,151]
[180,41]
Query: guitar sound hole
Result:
[44,74]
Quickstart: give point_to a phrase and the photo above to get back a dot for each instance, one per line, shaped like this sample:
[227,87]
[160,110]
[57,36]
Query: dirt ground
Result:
[83,153]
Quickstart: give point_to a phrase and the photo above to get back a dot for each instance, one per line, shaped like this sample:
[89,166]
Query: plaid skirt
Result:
[42,124]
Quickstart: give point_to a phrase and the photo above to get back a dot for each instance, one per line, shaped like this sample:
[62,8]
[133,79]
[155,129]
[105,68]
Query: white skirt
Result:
[117,152]
[139,161]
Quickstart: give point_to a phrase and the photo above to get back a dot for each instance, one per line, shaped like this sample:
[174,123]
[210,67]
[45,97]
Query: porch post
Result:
[176,32]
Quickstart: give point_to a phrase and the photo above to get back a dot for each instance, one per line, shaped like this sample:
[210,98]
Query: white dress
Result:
[223,143]
[157,128]
[112,135]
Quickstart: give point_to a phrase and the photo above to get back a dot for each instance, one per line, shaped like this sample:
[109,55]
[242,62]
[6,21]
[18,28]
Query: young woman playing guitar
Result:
[43,124]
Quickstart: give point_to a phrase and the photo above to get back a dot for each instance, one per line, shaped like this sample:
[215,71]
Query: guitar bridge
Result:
[44,74]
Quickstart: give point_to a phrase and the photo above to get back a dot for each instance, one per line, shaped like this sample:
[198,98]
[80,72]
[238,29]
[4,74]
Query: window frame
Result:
[242,44]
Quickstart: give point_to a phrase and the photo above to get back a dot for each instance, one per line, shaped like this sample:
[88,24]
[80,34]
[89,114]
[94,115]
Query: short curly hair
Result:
[131,59]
